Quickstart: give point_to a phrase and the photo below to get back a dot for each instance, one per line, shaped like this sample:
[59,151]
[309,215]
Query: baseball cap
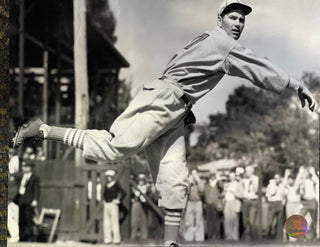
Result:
[228,4]
[141,176]
[110,173]
[239,170]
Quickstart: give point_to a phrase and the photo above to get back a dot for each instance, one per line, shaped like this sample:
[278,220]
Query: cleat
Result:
[174,245]
[30,129]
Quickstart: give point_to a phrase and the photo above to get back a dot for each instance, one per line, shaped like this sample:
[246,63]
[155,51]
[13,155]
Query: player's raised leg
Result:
[155,110]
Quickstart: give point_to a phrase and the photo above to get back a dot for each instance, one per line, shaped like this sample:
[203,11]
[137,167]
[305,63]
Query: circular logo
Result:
[296,226]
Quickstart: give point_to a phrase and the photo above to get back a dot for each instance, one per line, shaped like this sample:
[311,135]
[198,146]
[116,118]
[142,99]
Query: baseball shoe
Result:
[174,245]
[30,129]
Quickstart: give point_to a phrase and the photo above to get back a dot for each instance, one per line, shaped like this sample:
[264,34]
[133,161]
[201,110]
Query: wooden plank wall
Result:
[64,186]
[61,189]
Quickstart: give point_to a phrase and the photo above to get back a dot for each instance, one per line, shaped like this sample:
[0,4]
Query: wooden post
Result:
[21,56]
[45,95]
[116,82]
[80,69]
[58,98]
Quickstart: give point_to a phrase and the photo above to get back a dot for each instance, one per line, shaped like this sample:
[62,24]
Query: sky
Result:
[150,32]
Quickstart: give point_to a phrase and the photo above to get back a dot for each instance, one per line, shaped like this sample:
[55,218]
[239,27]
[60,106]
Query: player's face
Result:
[109,178]
[290,181]
[277,178]
[26,169]
[233,23]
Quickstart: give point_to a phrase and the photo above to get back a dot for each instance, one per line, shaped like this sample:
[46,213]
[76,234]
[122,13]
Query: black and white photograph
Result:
[170,123]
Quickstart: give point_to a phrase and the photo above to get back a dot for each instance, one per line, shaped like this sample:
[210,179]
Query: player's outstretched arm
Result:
[243,63]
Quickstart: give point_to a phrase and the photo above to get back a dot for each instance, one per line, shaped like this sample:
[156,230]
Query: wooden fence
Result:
[61,188]
[65,187]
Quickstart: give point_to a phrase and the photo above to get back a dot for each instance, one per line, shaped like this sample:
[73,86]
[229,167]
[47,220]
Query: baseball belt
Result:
[189,118]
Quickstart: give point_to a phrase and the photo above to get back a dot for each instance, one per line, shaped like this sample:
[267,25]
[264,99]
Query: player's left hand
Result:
[305,94]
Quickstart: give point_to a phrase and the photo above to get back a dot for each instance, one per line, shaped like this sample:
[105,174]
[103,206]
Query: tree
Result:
[263,127]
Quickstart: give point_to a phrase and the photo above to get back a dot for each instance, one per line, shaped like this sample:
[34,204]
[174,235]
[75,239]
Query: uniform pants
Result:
[111,227]
[276,220]
[13,220]
[139,221]
[231,221]
[250,219]
[213,219]
[194,225]
[152,122]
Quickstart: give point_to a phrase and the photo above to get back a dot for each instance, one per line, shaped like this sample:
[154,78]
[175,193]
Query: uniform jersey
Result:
[202,63]
[154,119]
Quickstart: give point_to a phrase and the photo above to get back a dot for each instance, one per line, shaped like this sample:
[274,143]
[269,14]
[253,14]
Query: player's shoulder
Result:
[219,36]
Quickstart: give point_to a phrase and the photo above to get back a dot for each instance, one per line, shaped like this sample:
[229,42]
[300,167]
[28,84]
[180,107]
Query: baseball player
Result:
[155,119]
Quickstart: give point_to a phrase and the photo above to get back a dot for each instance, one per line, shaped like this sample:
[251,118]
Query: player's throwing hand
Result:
[304,94]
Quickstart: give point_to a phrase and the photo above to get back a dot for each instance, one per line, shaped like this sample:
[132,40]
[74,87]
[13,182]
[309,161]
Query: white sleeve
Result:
[243,63]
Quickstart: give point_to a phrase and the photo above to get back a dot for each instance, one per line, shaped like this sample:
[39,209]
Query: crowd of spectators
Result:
[221,206]
[23,194]
[225,206]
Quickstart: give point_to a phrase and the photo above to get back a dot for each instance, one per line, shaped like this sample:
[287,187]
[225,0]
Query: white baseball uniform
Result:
[153,120]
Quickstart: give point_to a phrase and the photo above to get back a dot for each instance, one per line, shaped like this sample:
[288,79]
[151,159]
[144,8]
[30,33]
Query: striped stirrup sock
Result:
[172,217]
[172,220]
[69,136]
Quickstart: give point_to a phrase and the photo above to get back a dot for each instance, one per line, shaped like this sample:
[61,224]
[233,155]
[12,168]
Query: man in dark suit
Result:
[27,199]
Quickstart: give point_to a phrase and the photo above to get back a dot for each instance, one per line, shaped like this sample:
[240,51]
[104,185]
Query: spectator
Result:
[28,154]
[239,195]
[212,195]
[309,183]
[112,195]
[13,209]
[317,199]
[250,204]
[194,225]
[275,197]
[40,154]
[292,195]
[155,230]
[27,199]
[13,161]
[139,220]
[231,209]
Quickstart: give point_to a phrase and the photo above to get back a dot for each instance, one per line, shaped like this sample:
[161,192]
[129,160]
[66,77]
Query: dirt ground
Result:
[159,244]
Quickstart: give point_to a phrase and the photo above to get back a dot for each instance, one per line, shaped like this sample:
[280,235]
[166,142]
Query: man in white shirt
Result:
[309,184]
[231,209]
[139,218]
[13,209]
[275,196]
[292,194]
[250,204]
[193,216]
